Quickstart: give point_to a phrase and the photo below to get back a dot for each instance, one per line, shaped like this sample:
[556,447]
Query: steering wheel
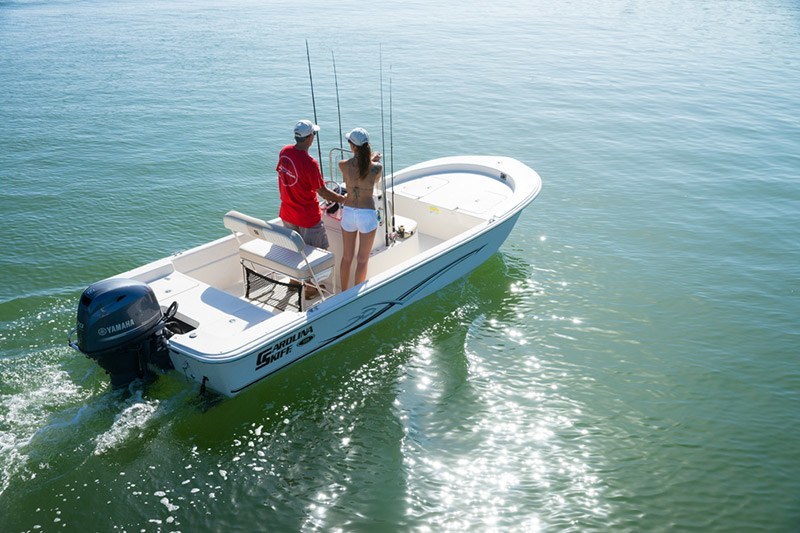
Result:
[332,207]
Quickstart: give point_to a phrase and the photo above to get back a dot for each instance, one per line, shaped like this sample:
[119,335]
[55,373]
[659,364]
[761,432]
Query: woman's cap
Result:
[304,128]
[358,136]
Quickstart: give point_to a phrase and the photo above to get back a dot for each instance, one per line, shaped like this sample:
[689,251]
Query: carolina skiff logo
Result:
[115,328]
[284,346]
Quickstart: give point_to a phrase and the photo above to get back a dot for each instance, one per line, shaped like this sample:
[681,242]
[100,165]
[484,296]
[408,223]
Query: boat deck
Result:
[207,305]
[208,282]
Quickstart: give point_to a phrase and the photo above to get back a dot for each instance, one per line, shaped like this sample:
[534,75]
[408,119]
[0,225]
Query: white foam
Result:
[131,419]
[23,414]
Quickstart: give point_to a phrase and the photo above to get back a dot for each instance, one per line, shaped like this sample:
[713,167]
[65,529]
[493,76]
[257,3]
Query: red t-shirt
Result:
[299,177]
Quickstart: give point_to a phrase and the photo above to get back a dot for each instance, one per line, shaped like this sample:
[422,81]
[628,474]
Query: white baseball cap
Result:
[358,136]
[304,128]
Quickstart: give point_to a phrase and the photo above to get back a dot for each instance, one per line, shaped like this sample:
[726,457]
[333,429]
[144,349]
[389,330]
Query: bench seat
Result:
[279,249]
[288,262]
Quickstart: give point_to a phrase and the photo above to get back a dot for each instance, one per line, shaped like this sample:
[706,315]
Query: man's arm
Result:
[330,195]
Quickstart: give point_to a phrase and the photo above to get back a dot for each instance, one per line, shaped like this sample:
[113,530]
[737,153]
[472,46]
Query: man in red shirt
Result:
[299,182]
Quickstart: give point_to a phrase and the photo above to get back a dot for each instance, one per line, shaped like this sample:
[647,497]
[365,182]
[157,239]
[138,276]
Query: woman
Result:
[359,217]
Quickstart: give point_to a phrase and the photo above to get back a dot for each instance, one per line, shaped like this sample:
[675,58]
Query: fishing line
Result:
[314,103]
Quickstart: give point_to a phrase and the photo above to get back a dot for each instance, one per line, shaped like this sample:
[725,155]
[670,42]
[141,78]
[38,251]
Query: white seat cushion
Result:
[286,261]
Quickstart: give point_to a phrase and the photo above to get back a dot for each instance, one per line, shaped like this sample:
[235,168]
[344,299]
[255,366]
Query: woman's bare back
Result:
[360,190]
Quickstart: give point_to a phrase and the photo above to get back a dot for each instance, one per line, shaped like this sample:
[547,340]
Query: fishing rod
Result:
[380,63]
[391,142]
[314,103]
[383,146]
[338,107]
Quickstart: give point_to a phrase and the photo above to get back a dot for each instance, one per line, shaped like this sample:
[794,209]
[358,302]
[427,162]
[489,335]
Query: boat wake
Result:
[56,406]
[134,417]
[27,403]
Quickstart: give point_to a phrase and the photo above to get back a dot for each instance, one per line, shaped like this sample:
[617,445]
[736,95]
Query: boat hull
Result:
[325,325]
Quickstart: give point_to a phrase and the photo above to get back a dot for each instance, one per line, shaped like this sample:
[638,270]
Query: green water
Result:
[627,362]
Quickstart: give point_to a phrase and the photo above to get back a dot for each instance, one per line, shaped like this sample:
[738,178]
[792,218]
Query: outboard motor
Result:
[121,326]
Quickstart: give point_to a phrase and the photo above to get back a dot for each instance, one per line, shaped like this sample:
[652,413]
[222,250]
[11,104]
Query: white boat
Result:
[226,315]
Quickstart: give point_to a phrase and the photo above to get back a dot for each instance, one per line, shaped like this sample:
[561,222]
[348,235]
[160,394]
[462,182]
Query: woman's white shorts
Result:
[357,219]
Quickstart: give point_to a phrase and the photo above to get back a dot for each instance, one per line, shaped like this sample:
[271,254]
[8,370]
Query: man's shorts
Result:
[313,236]
[357,219]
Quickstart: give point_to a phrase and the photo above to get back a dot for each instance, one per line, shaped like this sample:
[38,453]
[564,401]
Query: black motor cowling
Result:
[120,325]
